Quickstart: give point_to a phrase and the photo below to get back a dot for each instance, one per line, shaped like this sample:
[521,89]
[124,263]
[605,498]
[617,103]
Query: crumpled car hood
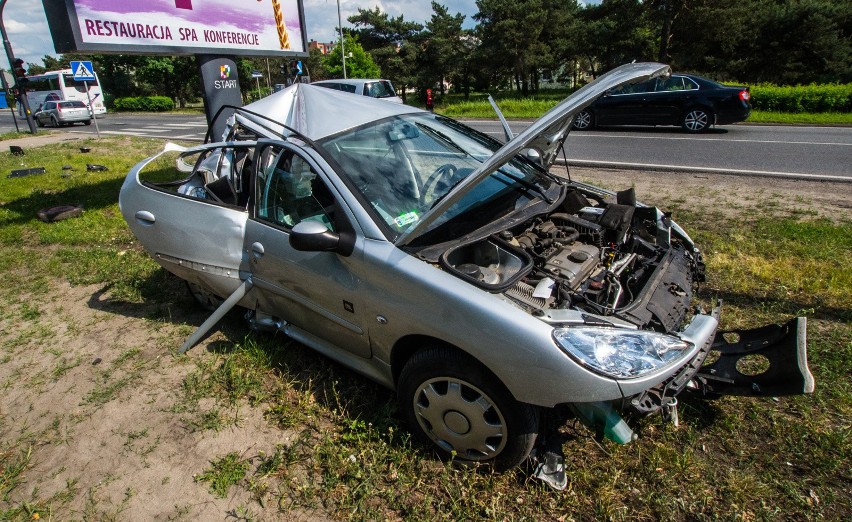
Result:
[546,135]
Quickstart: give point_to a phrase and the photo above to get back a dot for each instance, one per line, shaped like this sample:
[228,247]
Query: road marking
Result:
[696,138]
[707,170]
[193,137]
[687,138]
[182,125]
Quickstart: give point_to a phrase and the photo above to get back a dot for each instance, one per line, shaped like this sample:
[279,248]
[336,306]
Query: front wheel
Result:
[696,120]
[453,402]
[584,120]
[207,299]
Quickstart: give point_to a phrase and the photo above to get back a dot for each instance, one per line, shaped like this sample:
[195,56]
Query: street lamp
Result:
[340,31]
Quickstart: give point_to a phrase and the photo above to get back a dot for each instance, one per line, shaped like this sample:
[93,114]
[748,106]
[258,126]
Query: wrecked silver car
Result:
[495,297]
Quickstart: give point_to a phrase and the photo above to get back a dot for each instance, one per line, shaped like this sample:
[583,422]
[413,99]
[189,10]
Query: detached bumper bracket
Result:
[783,347]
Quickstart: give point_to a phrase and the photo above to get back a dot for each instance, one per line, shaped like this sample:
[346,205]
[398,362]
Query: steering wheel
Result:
[440,180]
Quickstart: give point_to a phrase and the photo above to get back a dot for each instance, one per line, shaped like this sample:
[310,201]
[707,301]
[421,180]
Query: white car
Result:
[382,89]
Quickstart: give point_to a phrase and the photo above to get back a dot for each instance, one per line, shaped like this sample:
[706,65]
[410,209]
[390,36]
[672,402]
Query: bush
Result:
[144,104]
[802,98]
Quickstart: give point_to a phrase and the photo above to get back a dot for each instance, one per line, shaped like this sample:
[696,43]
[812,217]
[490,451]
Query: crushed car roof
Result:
[316,112]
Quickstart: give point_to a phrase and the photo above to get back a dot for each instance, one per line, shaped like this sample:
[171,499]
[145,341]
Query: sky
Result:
[29,35]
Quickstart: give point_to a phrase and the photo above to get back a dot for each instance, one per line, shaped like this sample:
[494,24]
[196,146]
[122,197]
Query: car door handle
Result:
[257,251]
[143,217]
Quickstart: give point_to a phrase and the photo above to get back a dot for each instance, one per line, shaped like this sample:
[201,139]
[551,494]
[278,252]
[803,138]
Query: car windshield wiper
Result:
[528,185]
[441,136]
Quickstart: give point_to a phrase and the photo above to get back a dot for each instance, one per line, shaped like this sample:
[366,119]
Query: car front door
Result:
[317,292]
[624,105]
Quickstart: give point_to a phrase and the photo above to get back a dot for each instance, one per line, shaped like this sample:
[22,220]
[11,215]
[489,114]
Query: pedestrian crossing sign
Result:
[83,71]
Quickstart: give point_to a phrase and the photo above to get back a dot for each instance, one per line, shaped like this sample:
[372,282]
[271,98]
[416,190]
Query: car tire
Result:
[696,120]
[208,300]
[39,122]
[87,122]
[54,123]
[584,120]
[453,402]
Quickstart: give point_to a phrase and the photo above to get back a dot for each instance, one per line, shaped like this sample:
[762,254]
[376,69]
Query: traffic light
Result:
[20,72]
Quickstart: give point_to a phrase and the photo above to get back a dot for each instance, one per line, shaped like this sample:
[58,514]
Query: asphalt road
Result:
[783,151]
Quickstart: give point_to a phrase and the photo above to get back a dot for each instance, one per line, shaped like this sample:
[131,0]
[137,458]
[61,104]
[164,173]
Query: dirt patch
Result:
[95,398]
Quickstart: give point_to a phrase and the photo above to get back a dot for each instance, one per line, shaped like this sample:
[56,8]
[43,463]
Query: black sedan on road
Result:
[692,102]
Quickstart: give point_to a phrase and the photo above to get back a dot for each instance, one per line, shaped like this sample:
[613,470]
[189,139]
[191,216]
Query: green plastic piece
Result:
[603,419]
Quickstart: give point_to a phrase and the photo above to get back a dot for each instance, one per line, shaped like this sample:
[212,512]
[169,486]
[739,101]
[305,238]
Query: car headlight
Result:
[621,353]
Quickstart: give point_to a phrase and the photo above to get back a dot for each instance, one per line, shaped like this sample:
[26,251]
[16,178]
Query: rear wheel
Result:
[453,402]
[54,122]
[697,120]
[87,122]
[584,120]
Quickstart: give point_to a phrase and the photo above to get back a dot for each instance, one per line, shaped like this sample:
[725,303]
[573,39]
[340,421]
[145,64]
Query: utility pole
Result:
[22,94]
[340,30]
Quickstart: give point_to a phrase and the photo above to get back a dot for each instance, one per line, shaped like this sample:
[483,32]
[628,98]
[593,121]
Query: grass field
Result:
[330,443]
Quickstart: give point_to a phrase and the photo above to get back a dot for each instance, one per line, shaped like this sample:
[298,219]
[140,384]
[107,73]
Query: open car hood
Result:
[546,136]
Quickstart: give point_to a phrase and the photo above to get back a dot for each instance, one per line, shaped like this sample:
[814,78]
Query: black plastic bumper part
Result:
[783,347]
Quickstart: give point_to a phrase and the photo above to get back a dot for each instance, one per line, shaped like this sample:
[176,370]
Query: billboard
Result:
[243,27]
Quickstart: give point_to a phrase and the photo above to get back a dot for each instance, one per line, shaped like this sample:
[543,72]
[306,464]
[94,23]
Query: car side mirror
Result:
[313,236]
[533,155]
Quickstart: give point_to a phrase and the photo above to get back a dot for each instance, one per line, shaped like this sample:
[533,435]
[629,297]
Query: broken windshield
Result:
[402,166]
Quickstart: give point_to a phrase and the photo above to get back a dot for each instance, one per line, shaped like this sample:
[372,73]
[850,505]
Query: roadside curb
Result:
[46,139]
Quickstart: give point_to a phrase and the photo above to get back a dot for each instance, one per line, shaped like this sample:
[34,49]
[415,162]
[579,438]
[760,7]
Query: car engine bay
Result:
[606,258]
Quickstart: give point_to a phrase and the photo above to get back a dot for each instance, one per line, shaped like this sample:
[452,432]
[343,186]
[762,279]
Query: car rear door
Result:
[317,292]
[192,219]
[668,100]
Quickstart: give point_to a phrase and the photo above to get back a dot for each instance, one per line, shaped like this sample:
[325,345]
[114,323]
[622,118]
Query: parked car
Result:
[691,102]
[382,89]
[496,298]
[59,113]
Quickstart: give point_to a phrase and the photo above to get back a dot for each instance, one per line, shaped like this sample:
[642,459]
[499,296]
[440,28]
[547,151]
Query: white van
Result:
[382,89]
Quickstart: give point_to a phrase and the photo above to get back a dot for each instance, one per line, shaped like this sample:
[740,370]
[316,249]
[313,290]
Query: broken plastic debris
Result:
[20,173]
[58,213]
[92,167]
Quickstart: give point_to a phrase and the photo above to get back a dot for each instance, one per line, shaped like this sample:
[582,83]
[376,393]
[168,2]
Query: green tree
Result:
[442,46]
[359,64]
[511,36]
[613,33]
[796,41]
[393,43]
[665,14]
